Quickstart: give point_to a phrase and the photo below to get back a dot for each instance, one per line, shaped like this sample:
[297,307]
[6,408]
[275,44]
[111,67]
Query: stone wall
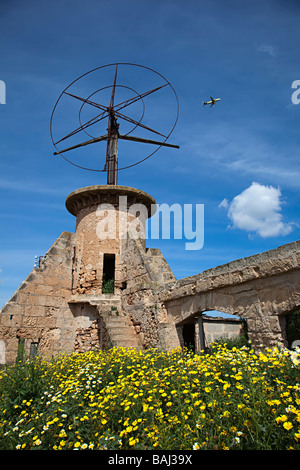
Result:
[218,327]
[261,289]
[147,274]
[92,338]
[38,312]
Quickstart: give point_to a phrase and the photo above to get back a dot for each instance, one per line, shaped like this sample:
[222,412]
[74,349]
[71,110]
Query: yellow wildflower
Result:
[287,425]
[281,419]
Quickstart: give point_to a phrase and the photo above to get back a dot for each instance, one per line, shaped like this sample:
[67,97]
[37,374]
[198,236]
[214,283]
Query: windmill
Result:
[111,113]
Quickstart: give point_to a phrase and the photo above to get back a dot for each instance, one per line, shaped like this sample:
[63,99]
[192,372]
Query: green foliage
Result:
[236,342]
[21,350]
[108,285]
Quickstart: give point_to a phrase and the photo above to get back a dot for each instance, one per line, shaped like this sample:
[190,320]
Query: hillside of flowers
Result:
[128,399]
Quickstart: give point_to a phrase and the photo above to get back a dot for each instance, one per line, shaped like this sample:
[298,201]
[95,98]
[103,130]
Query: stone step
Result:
[120,331]
[125,343]
[115,320]
[116,324]
[121,338]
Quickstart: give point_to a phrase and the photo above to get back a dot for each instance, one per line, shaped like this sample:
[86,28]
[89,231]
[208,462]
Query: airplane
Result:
[212,102]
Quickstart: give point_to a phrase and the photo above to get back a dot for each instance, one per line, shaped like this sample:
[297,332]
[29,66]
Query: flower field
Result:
[128,399]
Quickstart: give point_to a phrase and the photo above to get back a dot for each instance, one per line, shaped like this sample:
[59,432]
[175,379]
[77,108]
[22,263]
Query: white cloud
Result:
[257,209]
[268,49]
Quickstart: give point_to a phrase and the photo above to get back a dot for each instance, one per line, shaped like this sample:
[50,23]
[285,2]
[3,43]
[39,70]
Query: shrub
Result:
[236,342]
[108,285]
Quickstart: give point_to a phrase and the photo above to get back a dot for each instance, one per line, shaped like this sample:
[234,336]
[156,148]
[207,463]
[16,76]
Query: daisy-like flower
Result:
[287,425]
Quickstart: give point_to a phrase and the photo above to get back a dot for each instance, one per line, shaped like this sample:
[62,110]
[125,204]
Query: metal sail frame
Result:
[112,112]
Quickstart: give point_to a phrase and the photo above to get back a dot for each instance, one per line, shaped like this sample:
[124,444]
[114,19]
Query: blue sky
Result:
[240,158]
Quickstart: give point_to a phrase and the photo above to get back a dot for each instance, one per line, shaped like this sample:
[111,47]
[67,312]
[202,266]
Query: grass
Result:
[126,399]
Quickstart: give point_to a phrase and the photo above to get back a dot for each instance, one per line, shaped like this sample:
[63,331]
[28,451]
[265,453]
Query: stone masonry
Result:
[62,306]
[262,289]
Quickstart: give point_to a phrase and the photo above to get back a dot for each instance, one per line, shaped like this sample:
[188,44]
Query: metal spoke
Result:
[146,141]
[84,126]
[92,141]
[92,103]
[136,98]
[112,99]
[126,118]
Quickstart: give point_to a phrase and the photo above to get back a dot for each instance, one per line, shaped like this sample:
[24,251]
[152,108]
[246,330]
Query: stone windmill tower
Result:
[97,287]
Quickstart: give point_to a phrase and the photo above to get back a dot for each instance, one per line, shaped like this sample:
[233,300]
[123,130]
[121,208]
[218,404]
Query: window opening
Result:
[21,350]
[108,282]
[33,350]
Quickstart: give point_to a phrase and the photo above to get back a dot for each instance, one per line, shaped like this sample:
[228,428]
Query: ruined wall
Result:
[43,312]
[261,289]
[38,312]
[92,338]
[148,274]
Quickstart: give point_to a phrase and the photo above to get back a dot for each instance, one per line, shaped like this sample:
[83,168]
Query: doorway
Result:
[108,280]
[188,333]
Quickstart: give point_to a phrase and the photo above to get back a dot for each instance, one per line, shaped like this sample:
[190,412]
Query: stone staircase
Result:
[119,327]
[121,331]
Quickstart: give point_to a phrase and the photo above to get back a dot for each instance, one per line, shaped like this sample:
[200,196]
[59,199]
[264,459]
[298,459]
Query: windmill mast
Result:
[112,139]
[112,152]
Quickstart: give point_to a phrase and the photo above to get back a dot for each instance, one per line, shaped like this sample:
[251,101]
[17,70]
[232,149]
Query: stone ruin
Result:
[94,289]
